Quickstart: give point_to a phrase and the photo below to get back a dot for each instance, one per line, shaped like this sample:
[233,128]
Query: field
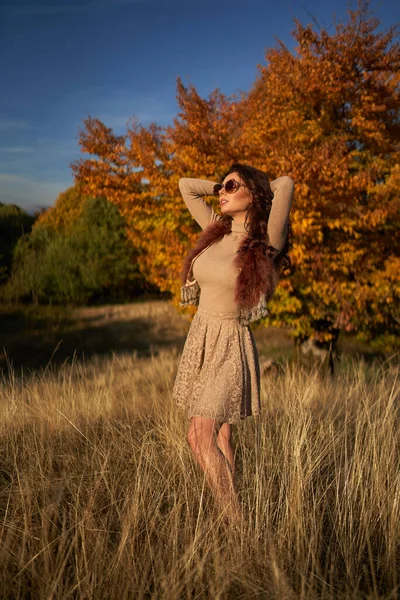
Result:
[101,499]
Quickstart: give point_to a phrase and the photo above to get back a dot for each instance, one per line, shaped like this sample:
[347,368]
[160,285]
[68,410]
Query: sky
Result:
[63,60]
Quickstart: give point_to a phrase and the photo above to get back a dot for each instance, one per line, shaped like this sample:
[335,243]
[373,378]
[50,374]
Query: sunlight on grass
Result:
[100,497]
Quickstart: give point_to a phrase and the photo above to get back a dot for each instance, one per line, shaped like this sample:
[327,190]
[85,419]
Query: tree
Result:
[87,262]
[14,223]
[327,116]
[139,172]
[66,210]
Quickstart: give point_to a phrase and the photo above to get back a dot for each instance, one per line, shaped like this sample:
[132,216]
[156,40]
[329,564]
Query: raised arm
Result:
[277,223]
[193,191]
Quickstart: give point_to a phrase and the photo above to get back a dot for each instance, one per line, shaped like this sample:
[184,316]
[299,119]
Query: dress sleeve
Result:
[192,191]
[277,223]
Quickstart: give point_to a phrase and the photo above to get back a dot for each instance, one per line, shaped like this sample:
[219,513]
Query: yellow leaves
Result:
[325,116]
[309,227]
[66,211]
[374,218]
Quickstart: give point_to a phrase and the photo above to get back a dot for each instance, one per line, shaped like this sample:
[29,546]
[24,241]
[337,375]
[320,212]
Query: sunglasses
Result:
[230,187]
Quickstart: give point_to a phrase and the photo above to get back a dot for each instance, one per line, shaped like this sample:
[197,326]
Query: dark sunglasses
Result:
[231,186]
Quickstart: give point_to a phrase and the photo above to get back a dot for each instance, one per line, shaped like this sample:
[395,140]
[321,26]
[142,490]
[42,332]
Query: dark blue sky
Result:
[61,60]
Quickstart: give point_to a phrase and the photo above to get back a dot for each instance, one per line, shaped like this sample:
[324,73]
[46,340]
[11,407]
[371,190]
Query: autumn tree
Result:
[140,172]
[327,115]
[66,209]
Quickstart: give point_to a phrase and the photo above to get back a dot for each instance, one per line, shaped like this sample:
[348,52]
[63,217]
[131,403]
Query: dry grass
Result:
[100,497]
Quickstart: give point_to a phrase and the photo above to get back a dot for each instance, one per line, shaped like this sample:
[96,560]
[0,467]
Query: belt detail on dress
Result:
[230,316]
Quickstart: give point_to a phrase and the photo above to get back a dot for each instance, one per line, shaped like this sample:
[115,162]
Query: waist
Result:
[229,316]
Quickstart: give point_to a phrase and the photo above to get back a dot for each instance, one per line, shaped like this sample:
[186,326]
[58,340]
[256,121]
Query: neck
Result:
[238,226]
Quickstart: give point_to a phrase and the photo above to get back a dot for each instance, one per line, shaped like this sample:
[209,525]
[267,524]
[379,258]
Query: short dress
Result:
[219,374]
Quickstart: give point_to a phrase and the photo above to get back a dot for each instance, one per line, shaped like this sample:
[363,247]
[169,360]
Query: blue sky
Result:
[62,60]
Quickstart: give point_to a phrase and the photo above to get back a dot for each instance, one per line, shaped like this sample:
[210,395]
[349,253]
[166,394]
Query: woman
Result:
[230,273]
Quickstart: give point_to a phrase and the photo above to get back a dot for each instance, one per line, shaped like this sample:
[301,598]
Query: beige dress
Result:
[219,376]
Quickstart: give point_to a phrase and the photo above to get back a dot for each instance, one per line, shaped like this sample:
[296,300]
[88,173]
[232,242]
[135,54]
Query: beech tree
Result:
[140,173]
[327,115]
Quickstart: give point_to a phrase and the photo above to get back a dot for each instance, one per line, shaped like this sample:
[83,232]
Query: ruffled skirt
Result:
[219,374]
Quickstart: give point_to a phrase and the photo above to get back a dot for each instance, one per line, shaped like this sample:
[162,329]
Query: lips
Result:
[223,202]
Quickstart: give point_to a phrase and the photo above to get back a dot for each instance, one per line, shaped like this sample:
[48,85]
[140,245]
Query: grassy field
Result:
[100,497]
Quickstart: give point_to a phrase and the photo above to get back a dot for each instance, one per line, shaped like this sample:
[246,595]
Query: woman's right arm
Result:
[192,191]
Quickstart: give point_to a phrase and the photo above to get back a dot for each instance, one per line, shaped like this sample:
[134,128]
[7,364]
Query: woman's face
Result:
[235,204]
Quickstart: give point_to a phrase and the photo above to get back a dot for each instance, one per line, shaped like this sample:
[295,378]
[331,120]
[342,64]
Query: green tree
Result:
[90,261]
[14,223]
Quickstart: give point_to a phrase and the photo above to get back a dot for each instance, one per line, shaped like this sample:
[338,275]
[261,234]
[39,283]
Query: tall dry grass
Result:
[100,497]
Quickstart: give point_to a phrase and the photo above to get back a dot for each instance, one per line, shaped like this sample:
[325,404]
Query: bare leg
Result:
[224,443]
[202,438]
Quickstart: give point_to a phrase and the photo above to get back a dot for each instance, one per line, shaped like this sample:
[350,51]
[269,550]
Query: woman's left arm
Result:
[281,204]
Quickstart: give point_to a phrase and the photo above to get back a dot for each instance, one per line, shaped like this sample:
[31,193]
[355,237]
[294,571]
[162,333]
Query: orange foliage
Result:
[140,173]
[65,211]
[328,117]
[325,115]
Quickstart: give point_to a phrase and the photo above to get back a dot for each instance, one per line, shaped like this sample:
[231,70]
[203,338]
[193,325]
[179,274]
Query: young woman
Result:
[230,274]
